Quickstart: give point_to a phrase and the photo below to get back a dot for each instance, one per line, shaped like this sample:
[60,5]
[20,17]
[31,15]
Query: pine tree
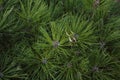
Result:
[59,40]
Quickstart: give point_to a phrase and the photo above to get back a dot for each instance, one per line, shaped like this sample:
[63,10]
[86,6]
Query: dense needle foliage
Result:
[59,39]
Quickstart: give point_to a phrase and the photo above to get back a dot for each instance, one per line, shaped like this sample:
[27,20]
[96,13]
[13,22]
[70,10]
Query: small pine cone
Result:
[69,65]
[96,3]
[55,44]
[95,69]
[44,61]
